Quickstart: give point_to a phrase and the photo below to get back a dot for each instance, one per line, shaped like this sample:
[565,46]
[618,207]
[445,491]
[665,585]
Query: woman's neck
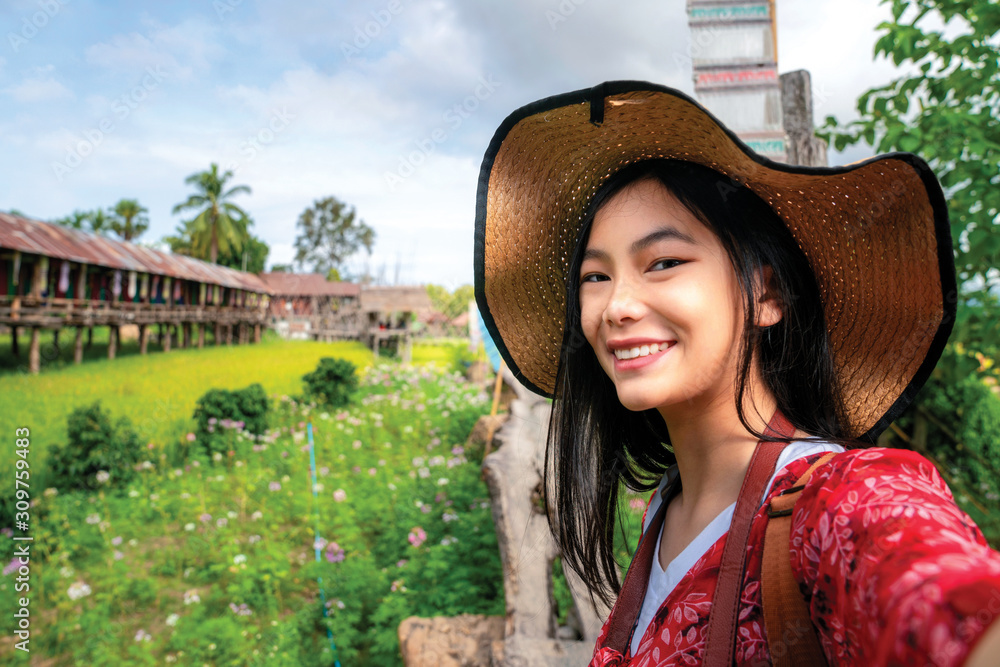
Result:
[713,450]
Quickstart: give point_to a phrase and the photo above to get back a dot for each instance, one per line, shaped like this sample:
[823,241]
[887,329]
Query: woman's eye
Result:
[661,264]
[593,278]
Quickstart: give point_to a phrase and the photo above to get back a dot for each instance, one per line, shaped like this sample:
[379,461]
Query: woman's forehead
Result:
[642,206]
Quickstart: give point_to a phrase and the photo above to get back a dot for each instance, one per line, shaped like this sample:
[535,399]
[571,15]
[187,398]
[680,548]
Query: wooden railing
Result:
[55,312]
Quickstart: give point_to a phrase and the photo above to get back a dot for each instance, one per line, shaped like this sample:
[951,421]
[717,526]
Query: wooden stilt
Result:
[112,341]
[78,346]
[218,333]
[201,335]
[90,336]
[187,334]
[55,339]
[165,337]
[256,333]
[14,345]
[143,336]
[34,353]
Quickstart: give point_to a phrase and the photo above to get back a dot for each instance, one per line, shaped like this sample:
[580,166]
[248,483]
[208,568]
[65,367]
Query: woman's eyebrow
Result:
[641,244]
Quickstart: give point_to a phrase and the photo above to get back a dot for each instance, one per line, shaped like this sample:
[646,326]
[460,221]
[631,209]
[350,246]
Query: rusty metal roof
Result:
[307,284]
[57,241]
[395,299]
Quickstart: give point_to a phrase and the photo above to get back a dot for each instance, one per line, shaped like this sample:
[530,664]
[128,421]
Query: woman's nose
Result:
[623,304]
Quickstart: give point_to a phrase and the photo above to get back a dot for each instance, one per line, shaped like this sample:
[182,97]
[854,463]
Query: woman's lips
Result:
[641,360]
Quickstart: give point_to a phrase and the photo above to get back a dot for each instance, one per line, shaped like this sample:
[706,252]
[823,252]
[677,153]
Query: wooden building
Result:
[55,277]
[304,303]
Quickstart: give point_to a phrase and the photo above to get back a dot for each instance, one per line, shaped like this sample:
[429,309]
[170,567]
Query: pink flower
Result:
[417,536]
[190,437]
[340,495]
[206,517]
[274,486]
[334,553]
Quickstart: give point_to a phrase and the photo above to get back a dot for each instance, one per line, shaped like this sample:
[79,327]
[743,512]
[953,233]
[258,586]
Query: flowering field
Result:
[220,559]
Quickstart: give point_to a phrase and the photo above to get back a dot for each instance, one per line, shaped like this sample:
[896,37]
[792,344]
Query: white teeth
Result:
[642,351]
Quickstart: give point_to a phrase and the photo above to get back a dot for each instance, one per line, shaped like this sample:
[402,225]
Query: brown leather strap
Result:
[720,639]
[629,602]
[791,636]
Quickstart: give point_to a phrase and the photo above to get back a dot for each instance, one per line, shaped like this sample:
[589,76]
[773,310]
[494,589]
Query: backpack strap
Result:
[791,636]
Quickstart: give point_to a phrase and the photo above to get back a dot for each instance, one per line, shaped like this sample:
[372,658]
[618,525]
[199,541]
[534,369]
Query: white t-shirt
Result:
[662,582]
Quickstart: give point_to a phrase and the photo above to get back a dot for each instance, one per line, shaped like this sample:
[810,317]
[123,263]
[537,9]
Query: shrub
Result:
[220,411]
[333,382]
[94,444]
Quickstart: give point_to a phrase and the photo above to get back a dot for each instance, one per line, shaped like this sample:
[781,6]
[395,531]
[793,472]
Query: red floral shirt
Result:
[893,571]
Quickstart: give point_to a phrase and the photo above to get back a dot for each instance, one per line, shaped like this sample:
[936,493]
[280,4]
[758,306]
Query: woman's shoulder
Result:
[856,465]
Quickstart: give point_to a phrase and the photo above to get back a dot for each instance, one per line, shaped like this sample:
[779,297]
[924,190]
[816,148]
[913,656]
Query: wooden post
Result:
[78,346]
[112,341]
[55,338]
[34,353]
[81,283]
[187,334]
[218,333]
[229,334]
[201,335]
[165,339]
[90,336]
[14,347]
[143,336]
[256,333]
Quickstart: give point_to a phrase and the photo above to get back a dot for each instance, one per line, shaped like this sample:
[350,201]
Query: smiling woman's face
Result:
[660,302]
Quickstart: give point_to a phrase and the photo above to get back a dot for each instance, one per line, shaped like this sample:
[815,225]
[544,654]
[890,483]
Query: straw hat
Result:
[876,234]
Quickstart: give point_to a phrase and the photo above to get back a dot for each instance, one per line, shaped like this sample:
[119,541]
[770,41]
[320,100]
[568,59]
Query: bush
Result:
[94,444]
[220,411]
[333,382]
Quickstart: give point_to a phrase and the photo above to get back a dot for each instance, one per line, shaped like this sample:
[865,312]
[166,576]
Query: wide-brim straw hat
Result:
[875,233]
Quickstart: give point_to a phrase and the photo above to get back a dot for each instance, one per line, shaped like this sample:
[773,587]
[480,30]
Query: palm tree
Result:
[128,219]
[219,223]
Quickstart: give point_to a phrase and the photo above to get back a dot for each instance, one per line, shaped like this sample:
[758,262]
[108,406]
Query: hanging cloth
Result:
[131,285]
[166,289]
[144,287]
[116,286]
[156,284]
[44,277]
[64,277]
[177,290]
[201,294]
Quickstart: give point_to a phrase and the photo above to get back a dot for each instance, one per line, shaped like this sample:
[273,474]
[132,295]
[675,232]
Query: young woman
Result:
[719,326]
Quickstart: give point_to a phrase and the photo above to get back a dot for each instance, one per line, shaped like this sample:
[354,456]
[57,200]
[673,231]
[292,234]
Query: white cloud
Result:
[183,50]
[38,89]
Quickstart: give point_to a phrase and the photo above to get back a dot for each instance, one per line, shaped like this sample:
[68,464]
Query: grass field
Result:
[157,391]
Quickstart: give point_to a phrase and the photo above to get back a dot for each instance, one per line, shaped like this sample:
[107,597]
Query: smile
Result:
[640,351]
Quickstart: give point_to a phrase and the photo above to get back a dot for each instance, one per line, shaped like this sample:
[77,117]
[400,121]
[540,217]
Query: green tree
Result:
[947,110]
[219,224]
[328,233]
[252,258]
[451,304]
[128,219]
[282,268]
[96,221]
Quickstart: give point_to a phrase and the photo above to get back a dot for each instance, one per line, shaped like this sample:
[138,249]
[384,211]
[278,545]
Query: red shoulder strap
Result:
[791,636]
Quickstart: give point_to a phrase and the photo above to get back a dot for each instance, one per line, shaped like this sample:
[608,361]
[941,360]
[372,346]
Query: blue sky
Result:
[105,100]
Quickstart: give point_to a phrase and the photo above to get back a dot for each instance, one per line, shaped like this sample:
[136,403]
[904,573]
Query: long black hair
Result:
[595,443]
